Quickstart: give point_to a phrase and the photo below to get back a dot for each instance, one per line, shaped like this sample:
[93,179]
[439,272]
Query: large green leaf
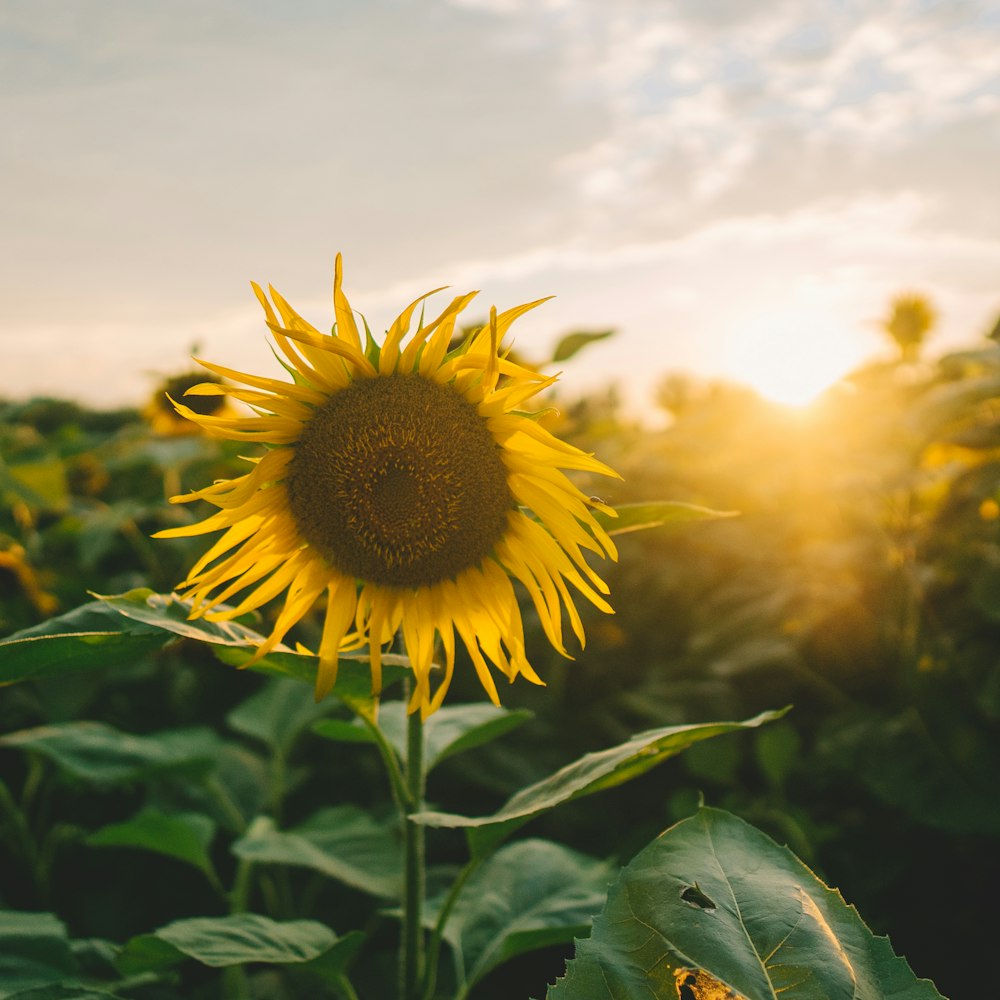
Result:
[450,730]
[119,629]
[34,951]
[343,842]
[656,514]
[232,792]
[716,906]
[277,713]
[184,836]
[85,638]
[108,632]
[99,753]
[589,774]
[529,895]
[222,941]
[168,613]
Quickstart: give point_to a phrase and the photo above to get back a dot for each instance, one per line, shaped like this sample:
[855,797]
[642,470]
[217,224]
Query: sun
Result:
[790,357]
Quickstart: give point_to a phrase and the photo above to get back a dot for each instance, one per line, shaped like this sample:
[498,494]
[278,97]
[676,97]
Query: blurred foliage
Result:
[860,583]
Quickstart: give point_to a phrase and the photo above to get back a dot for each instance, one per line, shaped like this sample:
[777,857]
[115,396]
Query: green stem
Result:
[21,835]
[346,989]
[397,781]
[236,986]
[226,804]
[133,982]
[411,963]
[437,935]
[239,898]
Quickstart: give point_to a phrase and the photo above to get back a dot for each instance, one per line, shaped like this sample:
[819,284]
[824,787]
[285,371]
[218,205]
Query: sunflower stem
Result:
[411,961]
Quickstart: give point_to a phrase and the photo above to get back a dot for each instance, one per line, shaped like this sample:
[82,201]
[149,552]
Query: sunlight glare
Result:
[790,357]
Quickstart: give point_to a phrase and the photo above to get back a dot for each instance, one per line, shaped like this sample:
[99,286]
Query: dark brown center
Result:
[397,480]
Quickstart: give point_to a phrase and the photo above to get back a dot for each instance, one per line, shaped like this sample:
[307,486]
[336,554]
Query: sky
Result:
[739,189]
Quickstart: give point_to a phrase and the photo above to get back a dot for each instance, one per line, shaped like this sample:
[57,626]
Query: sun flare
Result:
[790,358]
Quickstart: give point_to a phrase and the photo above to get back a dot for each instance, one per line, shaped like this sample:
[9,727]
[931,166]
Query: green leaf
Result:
[184,836]
[714,904]
[354,678]
[333,963]
[450,730]
[236,644]
[777,748]
[223,941]
[571,343]
[232,793]
[343,842]
[277,713]
[639,516]
[34,951]
[453,729]
[589,774]
[87,638]
[168,613]
[96,958]
[99,753]
[529,895]
[117,630]
[111,631]
[147,953]
[101,527]
[61,992]
[343,731]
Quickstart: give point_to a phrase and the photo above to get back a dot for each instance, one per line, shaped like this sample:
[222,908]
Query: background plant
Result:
[859,583]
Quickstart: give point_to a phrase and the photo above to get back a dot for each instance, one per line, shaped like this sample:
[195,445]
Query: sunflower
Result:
[404,482]
[161,415]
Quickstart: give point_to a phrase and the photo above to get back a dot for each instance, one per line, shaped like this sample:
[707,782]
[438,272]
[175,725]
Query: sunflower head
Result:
[162,415]
[405,486]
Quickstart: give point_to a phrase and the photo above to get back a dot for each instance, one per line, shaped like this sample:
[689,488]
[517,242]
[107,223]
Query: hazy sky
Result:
[727,183]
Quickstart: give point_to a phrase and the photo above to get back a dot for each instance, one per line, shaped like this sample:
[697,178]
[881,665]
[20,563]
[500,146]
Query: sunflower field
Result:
[337,763]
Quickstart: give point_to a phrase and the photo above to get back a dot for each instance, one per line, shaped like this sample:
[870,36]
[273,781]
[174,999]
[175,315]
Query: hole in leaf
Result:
[693,896]
[697,984]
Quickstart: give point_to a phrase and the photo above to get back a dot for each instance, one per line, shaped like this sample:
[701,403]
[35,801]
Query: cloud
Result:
[797,104]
